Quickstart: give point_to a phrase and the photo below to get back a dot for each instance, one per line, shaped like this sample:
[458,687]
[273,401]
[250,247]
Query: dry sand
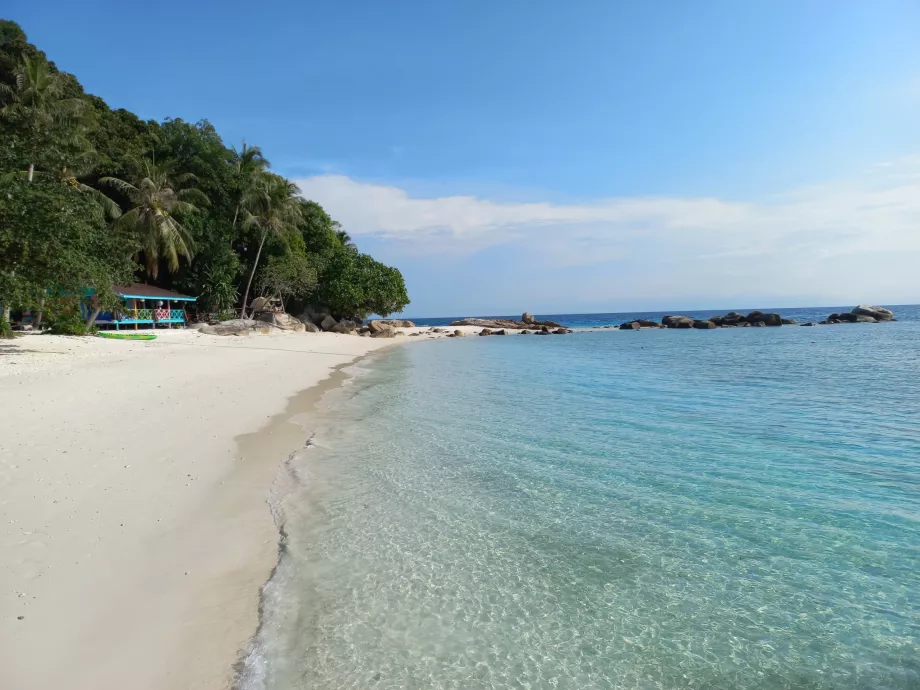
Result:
[134,479]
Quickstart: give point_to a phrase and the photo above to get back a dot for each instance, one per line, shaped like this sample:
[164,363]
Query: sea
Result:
[655,509]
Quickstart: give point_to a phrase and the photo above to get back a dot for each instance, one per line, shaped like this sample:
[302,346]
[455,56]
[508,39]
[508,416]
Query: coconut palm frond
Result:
[125,188]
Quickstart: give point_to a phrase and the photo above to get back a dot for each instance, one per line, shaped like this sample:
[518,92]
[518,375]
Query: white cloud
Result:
[818,236]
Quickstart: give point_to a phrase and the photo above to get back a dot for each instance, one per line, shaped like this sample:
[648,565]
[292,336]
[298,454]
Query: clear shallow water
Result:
[665,509]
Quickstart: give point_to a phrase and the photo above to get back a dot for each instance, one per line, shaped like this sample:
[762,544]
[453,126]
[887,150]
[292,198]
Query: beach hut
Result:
[146,306]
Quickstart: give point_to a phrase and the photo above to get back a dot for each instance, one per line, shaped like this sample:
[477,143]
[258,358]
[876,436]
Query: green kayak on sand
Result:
[126,336]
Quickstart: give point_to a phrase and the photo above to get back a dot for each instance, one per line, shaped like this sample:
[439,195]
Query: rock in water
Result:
[877,313]
[485,331]
[631,326]
[703,325]
[862,318]
[677,321]
[528,318]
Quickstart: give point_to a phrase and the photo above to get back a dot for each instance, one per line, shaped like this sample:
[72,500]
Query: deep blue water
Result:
[800,314]
[668,509]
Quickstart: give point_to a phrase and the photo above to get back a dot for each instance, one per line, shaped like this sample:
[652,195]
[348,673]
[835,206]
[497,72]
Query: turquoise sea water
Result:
[664,509]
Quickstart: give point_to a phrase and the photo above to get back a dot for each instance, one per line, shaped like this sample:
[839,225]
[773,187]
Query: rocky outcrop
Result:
[877,313]
[506,323]
[528,318]
[397,323]
[241,327]
[377,326]
[677,321]
[639,323]
[345,326]
[703,325]
[282,321]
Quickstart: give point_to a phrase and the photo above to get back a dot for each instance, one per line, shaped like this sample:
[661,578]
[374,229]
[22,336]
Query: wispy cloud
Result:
[816,236]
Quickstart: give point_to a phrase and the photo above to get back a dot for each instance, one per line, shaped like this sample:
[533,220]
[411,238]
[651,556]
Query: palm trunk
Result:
[92,318]
[37,321]
[252,274]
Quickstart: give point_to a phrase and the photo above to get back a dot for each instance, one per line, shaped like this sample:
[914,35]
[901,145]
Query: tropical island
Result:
[96,197]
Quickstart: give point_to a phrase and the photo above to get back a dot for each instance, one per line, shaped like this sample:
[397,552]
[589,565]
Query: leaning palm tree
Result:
[272,209]
[247,164]
[156,199]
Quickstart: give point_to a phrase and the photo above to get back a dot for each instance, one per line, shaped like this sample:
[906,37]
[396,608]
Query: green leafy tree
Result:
[54,240]
[354,284]
[272,210]
[289,275]
[156,199]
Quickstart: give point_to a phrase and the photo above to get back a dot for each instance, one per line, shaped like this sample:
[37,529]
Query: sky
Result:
[558,157]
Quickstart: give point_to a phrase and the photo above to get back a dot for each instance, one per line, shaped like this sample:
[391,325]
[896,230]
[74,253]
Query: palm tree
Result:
[40,96]
[155,200]
[271,209]
[345,239]
[248,163]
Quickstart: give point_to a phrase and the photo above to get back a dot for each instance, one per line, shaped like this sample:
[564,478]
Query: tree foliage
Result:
[108,186]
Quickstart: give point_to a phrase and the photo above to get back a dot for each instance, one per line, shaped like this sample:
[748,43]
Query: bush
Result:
[63,313]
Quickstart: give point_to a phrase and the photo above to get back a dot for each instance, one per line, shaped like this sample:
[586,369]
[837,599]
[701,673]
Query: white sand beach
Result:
[134,479]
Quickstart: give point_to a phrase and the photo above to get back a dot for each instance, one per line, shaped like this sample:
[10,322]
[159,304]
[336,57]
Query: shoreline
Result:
[175,532]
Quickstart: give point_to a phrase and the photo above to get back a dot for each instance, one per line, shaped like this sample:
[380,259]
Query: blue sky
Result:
[589,155]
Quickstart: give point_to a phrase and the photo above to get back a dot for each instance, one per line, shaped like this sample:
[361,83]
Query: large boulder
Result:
[397,323]
[327,323]
[631,326]
[862,318]
[314,314]
[260,304]
[877,313]
[345,326]
[384,333]
[789,322]
[485,331]
[772,320]
[528,318]
[754,316]
[703,325]
[378,325]
[285,322]
[645,323]
[676,321]
[310,327]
